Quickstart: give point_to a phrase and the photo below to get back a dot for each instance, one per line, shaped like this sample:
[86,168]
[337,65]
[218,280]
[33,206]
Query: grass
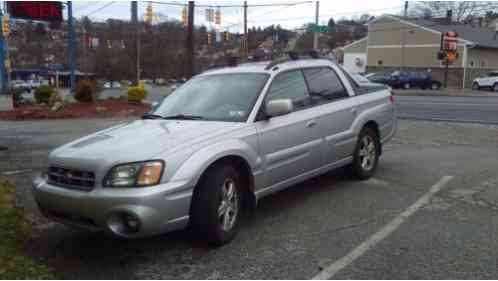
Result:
[14,230]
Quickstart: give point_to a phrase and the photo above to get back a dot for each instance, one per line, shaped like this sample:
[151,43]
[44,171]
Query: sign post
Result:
[448,51]
[2,62]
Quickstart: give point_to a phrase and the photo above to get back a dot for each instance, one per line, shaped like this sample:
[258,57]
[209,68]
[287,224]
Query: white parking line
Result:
[357,252]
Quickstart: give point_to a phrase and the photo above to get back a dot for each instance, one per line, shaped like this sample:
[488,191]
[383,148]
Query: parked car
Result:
[379,77]
[214,147]
[21,85]
[412,79]
[488,80]
[112,85]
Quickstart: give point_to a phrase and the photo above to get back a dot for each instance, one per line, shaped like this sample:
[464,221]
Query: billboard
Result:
[36,10]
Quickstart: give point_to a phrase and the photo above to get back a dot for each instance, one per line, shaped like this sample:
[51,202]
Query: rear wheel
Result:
[495,87]
[475,86]
[366,155]
[435,86]
[216,205]
[407,86]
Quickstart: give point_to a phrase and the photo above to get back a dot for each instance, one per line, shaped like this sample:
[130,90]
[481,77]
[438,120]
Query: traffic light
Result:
[217,17]
[184,15]
[210,39]
[5,26]
[226,36]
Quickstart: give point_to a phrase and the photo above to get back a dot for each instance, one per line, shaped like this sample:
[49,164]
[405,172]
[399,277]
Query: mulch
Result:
[112,108]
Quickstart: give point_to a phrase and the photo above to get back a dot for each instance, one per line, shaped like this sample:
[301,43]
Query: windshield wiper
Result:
[183,117]
[322,94]
[151,116]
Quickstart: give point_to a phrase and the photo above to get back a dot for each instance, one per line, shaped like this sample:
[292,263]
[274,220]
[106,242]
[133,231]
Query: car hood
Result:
[139,140]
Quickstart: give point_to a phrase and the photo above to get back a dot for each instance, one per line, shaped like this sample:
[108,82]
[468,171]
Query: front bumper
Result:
[157,209]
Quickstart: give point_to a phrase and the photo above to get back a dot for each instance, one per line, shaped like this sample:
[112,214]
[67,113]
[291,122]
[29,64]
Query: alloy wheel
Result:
[368,153]
[229,205]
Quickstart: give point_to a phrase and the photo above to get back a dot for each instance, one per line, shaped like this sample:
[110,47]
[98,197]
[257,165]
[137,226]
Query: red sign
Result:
[35,10]
[450,41]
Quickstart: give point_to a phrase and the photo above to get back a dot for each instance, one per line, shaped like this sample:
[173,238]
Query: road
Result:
[461,109]
[383,227]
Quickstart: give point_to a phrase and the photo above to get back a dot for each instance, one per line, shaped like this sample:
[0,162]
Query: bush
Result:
[85,91]
[43,94]
[136,94]
[17,96]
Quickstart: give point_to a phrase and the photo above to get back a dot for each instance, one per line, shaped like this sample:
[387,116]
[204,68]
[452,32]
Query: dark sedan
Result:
[407,80]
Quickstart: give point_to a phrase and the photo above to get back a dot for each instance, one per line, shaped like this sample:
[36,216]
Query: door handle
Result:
[311,123]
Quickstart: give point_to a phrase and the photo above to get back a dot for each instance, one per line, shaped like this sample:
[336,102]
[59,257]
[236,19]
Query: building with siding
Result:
[393,43]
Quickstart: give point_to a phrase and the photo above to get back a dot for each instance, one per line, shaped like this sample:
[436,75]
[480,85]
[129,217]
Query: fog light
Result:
[124,224]
[132,223]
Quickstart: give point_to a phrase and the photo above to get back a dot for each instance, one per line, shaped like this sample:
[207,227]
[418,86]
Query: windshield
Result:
[217,97]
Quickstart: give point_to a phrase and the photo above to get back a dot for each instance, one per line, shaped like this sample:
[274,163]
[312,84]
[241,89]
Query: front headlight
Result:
[135,174]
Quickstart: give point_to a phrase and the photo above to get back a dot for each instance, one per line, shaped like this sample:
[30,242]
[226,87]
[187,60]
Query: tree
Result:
[462,10]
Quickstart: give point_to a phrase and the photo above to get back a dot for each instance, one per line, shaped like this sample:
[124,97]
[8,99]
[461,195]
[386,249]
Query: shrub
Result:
[43,94]
[85,91]
[17,96]
[136,94]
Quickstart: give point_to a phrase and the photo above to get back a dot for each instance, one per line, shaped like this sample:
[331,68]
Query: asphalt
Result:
[460,109]
[298,232]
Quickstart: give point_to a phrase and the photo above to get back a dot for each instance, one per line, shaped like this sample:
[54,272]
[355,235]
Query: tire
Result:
[361,168]
[495,87]
[435,86]
[208,221]
[476,86]
[406,86]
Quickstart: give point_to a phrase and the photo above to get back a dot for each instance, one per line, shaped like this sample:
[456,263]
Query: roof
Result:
[480,36]
[260,67]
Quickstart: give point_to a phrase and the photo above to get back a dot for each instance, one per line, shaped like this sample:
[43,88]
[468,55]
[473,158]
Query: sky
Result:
[232,18]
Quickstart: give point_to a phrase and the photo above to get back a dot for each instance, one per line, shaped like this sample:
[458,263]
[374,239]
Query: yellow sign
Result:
[7,64]
[451,56]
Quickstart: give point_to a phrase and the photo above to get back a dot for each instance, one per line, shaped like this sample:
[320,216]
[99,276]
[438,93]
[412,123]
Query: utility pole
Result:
[134,20]
[403,31]
[85,41]
[2,61]
[246,39]
[190,40]
[317,18]
[72,46]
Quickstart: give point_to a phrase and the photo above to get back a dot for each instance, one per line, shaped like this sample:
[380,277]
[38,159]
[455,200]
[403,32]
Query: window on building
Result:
[472,63]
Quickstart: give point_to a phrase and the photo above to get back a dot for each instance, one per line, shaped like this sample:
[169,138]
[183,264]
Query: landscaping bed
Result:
[99,109]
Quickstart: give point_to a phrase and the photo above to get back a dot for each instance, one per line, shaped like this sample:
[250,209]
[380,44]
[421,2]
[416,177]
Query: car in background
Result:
[413,79]
[379,77]
[20,85]
[112,85]
[488,80]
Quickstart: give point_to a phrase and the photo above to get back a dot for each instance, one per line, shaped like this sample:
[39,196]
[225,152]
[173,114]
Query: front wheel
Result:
[407,86]
[435,86]
[475,86]
[366,155]
[216,205]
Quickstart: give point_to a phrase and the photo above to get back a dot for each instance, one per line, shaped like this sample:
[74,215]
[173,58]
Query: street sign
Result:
[319,28]
[36,10]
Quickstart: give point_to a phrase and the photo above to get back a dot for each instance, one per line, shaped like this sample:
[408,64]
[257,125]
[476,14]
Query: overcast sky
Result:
[289,17]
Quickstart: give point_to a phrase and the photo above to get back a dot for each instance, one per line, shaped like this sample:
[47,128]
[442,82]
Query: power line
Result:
[100,9]
[229,6]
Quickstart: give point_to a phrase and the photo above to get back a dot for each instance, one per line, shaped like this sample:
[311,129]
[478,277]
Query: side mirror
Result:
[280,107]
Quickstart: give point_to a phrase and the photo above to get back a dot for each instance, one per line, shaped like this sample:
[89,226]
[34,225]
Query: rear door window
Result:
[324,84]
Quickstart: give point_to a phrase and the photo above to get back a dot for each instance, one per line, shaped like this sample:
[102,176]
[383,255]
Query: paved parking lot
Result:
[430,212]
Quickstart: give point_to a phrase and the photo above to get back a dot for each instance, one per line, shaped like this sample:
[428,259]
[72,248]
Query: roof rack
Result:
[293,56]
[230,61]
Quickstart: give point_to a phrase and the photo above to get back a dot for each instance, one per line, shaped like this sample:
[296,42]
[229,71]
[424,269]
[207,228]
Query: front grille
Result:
[71,179]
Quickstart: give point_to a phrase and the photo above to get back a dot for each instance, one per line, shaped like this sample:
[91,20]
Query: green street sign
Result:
[319,28]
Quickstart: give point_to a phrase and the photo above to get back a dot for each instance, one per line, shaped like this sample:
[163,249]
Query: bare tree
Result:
[461,10]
